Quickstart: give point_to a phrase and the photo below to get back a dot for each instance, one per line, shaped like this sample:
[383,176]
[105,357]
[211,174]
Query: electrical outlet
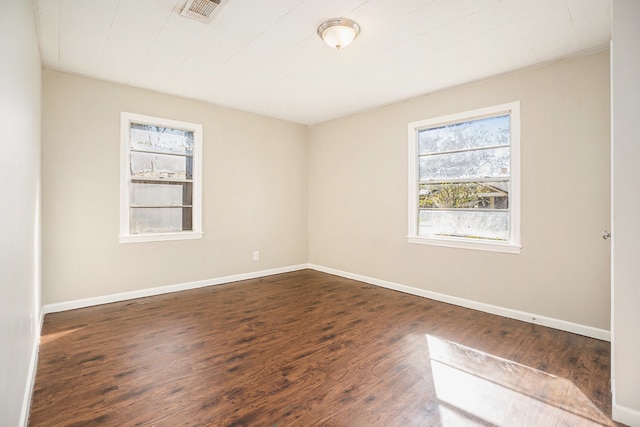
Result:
[256,255]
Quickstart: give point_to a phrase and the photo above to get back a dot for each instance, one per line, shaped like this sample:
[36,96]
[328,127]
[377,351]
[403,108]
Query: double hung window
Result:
[160,179]
[464,180]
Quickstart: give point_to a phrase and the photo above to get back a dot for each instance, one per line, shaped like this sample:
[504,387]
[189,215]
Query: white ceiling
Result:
[264,56]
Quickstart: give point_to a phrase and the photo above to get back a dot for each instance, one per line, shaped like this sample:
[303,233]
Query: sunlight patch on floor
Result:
[44,339]
[476,388]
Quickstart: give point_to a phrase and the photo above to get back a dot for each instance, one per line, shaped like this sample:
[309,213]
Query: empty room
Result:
[336,212]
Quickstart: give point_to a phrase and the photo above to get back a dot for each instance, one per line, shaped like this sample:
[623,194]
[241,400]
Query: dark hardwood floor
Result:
[308,348]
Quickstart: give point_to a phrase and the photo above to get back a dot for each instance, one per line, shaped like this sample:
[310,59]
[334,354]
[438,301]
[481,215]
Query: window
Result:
[160,188]
[464,180]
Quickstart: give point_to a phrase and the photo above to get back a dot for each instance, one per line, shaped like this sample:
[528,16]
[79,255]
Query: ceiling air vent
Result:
[202,10]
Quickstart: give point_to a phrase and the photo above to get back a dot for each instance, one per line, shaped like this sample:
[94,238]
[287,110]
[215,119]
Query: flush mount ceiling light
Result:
[338,32]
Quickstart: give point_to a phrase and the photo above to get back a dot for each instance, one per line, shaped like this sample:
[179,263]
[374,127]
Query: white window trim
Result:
[511,246]
[125,122]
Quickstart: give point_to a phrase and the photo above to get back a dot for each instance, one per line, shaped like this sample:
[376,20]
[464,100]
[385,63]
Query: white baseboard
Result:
[550,322]
[123,296]
[562,325]
[623,414]
[31,374]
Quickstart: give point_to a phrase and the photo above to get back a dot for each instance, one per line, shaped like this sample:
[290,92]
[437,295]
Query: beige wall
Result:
[254,192]
[358,196]
[264,178]
[19,208]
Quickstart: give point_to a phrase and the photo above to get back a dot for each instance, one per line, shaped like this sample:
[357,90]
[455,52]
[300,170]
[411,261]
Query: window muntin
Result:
[468,164]
[160,188]
[464,180]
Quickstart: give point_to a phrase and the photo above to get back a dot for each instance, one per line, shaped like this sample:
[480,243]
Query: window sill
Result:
[159,237]
[453,242]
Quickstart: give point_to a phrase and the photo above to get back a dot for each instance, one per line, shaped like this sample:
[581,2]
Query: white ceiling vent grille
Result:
[202,10]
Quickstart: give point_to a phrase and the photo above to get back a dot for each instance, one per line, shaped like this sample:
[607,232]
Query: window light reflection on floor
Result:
[44,339]
[477,388]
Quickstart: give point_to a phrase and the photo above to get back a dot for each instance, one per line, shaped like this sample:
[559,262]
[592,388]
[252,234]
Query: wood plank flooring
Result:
[308,348]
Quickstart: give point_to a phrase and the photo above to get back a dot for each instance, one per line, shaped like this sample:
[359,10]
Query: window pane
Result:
[468,195]
[157,138]
[471,224]
[471,134]
[160,193]
[489,163]
[159,220]
[160,166]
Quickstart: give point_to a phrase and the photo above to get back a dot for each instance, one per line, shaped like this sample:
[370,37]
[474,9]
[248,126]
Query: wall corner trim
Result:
[123,296]
[625,415]
[31,375]
[550,322]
